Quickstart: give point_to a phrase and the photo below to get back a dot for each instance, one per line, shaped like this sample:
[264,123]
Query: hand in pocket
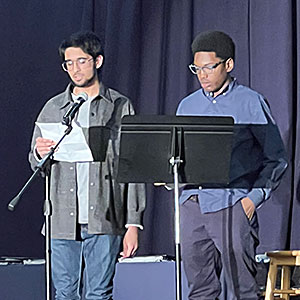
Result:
[249,207]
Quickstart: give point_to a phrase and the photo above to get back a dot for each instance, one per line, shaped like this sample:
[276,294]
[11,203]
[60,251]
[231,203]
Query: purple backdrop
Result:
[147,47]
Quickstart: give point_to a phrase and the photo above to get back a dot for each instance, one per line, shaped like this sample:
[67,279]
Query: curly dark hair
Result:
[214,41]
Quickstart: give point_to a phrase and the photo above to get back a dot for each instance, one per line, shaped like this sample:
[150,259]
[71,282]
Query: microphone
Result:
[70,114]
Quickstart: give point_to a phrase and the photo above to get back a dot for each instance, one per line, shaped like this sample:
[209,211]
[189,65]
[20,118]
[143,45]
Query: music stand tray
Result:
[147,145]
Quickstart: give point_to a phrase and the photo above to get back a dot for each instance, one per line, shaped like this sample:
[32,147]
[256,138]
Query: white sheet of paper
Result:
[74,146]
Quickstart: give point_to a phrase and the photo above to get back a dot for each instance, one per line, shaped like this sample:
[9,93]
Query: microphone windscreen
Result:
[82,96]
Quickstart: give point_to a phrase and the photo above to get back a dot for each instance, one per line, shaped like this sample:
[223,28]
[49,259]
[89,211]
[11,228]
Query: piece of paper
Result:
[145,259]
[73,148]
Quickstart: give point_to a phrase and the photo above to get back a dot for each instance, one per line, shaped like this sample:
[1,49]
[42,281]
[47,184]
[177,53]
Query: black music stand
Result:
[170,149]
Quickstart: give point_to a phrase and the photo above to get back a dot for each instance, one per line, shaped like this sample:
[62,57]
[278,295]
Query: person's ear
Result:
[99,61]
[229,65]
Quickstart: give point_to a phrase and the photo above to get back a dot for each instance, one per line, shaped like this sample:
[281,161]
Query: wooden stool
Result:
[283,259]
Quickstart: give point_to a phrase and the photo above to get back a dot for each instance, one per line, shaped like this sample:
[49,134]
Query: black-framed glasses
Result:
[82,62]
[206,69]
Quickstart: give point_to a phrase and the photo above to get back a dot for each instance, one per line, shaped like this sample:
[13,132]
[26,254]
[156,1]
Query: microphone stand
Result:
[47,206]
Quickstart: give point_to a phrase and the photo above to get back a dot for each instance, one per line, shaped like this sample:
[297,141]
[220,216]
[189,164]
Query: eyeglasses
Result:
[206,69]
[82,62]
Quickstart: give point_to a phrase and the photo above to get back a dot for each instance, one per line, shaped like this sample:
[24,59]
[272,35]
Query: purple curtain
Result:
[147,50]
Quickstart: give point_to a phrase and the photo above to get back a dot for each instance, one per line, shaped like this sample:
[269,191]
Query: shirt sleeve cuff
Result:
[257,196]
[135,225]
[36,155]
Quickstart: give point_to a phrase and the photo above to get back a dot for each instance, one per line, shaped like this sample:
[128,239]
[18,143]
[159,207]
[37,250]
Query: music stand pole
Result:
[175,162]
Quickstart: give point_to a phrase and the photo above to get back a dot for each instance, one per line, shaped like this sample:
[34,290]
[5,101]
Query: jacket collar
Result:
[67,98]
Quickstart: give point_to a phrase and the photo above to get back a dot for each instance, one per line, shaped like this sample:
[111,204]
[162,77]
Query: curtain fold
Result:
[147,51]
[294,233]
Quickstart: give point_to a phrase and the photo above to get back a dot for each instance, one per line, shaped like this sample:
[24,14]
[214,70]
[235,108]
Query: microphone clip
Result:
[71,112]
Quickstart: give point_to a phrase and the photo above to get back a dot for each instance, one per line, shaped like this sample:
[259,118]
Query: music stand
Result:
[170,149]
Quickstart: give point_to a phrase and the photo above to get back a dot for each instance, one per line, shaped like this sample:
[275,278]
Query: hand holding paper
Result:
[43,146]
[73,148]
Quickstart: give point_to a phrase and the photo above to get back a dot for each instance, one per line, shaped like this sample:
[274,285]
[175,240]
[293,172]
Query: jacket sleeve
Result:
[136,203]
[274,161]
[33,156]
[136,192]
[33,159]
